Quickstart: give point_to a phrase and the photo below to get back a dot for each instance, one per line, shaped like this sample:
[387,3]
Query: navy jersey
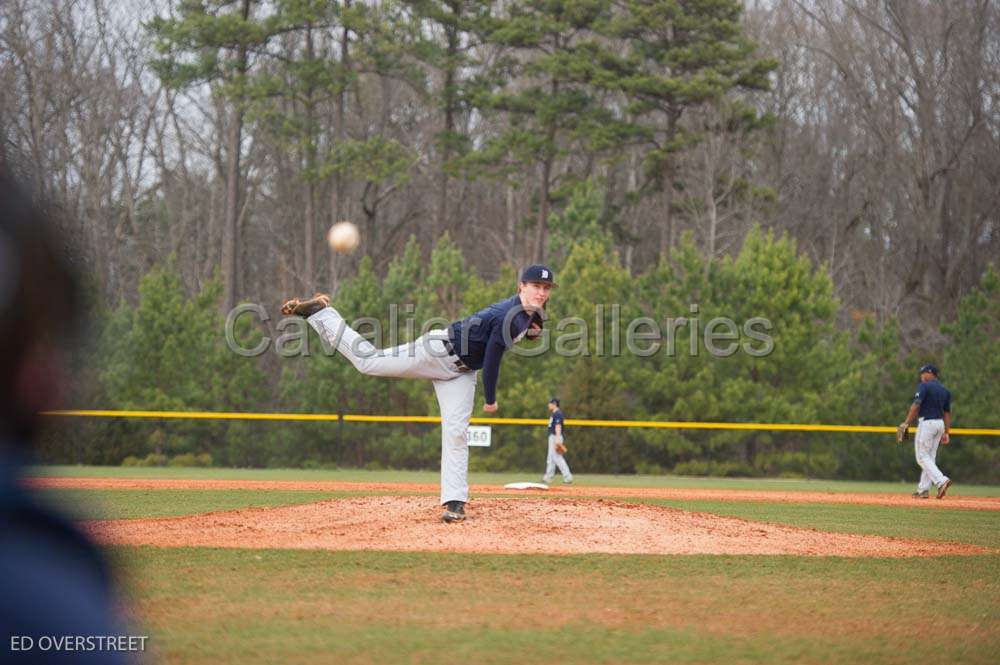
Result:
[934,400]
[480,340]
[557,419]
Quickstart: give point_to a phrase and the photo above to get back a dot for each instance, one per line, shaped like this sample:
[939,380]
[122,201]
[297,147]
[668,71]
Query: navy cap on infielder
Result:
[930,368]
[538,273]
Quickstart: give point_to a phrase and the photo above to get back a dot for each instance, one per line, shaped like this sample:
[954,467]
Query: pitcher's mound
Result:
[535,526]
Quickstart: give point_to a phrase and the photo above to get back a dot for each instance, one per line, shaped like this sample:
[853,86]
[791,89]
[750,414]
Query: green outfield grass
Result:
[214,605]
[266,606]
[977,527]
[131,504]
[356,475]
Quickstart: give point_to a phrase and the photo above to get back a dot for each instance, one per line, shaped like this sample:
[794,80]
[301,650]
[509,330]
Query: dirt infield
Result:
[679,494]
[498,525]
[581,520]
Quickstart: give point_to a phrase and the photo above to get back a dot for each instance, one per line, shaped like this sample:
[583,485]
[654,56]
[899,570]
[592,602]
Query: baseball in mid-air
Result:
[343,237]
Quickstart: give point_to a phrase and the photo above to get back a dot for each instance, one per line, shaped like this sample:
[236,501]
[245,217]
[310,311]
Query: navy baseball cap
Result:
[929,368]
[554,400]
[538,273]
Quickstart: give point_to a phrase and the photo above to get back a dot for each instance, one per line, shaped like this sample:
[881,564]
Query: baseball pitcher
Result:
[450,359]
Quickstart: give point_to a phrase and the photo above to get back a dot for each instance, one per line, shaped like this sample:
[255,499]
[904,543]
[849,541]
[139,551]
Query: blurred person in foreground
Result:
[57,586]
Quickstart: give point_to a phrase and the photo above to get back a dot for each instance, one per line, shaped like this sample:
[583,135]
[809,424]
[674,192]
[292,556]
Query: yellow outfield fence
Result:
[574,422]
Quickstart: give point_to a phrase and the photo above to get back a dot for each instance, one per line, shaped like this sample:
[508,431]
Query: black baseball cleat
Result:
[925,494]
[305,308]
[944,488]
[454,511]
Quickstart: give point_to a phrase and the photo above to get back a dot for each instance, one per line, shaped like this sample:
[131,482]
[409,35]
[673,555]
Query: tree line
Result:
[229,134]
[168,353]
[232,133]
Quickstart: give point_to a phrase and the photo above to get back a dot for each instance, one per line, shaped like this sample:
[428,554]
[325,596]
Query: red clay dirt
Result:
[579,522]
[561,491]
[500,525]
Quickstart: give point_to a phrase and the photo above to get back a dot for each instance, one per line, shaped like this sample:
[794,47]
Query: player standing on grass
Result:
[450,358]
[932,407]
[557,446]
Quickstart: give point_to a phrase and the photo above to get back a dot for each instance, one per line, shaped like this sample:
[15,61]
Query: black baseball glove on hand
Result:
[902,432]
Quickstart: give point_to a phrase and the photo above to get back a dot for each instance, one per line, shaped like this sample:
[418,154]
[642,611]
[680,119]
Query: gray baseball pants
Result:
[424,358]
[556,460]
[925,445]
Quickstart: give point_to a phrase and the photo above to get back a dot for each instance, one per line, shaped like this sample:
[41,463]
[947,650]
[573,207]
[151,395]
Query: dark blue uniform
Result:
[557,418]
[480,340]
[555,458]
[55,582]
[477,342]
[934,400]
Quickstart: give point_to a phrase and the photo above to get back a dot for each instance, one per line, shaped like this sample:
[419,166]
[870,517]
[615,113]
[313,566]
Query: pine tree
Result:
[211,41]
[450,56]
[546,89]
[970,369]
[808,376]
[447,277]
[169,353]
[286,93]
[679,56]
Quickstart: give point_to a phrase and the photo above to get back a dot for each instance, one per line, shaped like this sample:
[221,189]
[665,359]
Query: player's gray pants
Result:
[555,459]
[423,358]
[925,445]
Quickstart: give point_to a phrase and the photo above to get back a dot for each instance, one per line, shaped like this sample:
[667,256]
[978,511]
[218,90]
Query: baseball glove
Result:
[902,431]
[560,446]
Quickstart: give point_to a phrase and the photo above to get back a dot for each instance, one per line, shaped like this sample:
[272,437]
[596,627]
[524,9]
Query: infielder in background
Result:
[556,446]
[450,359]
[932,408]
